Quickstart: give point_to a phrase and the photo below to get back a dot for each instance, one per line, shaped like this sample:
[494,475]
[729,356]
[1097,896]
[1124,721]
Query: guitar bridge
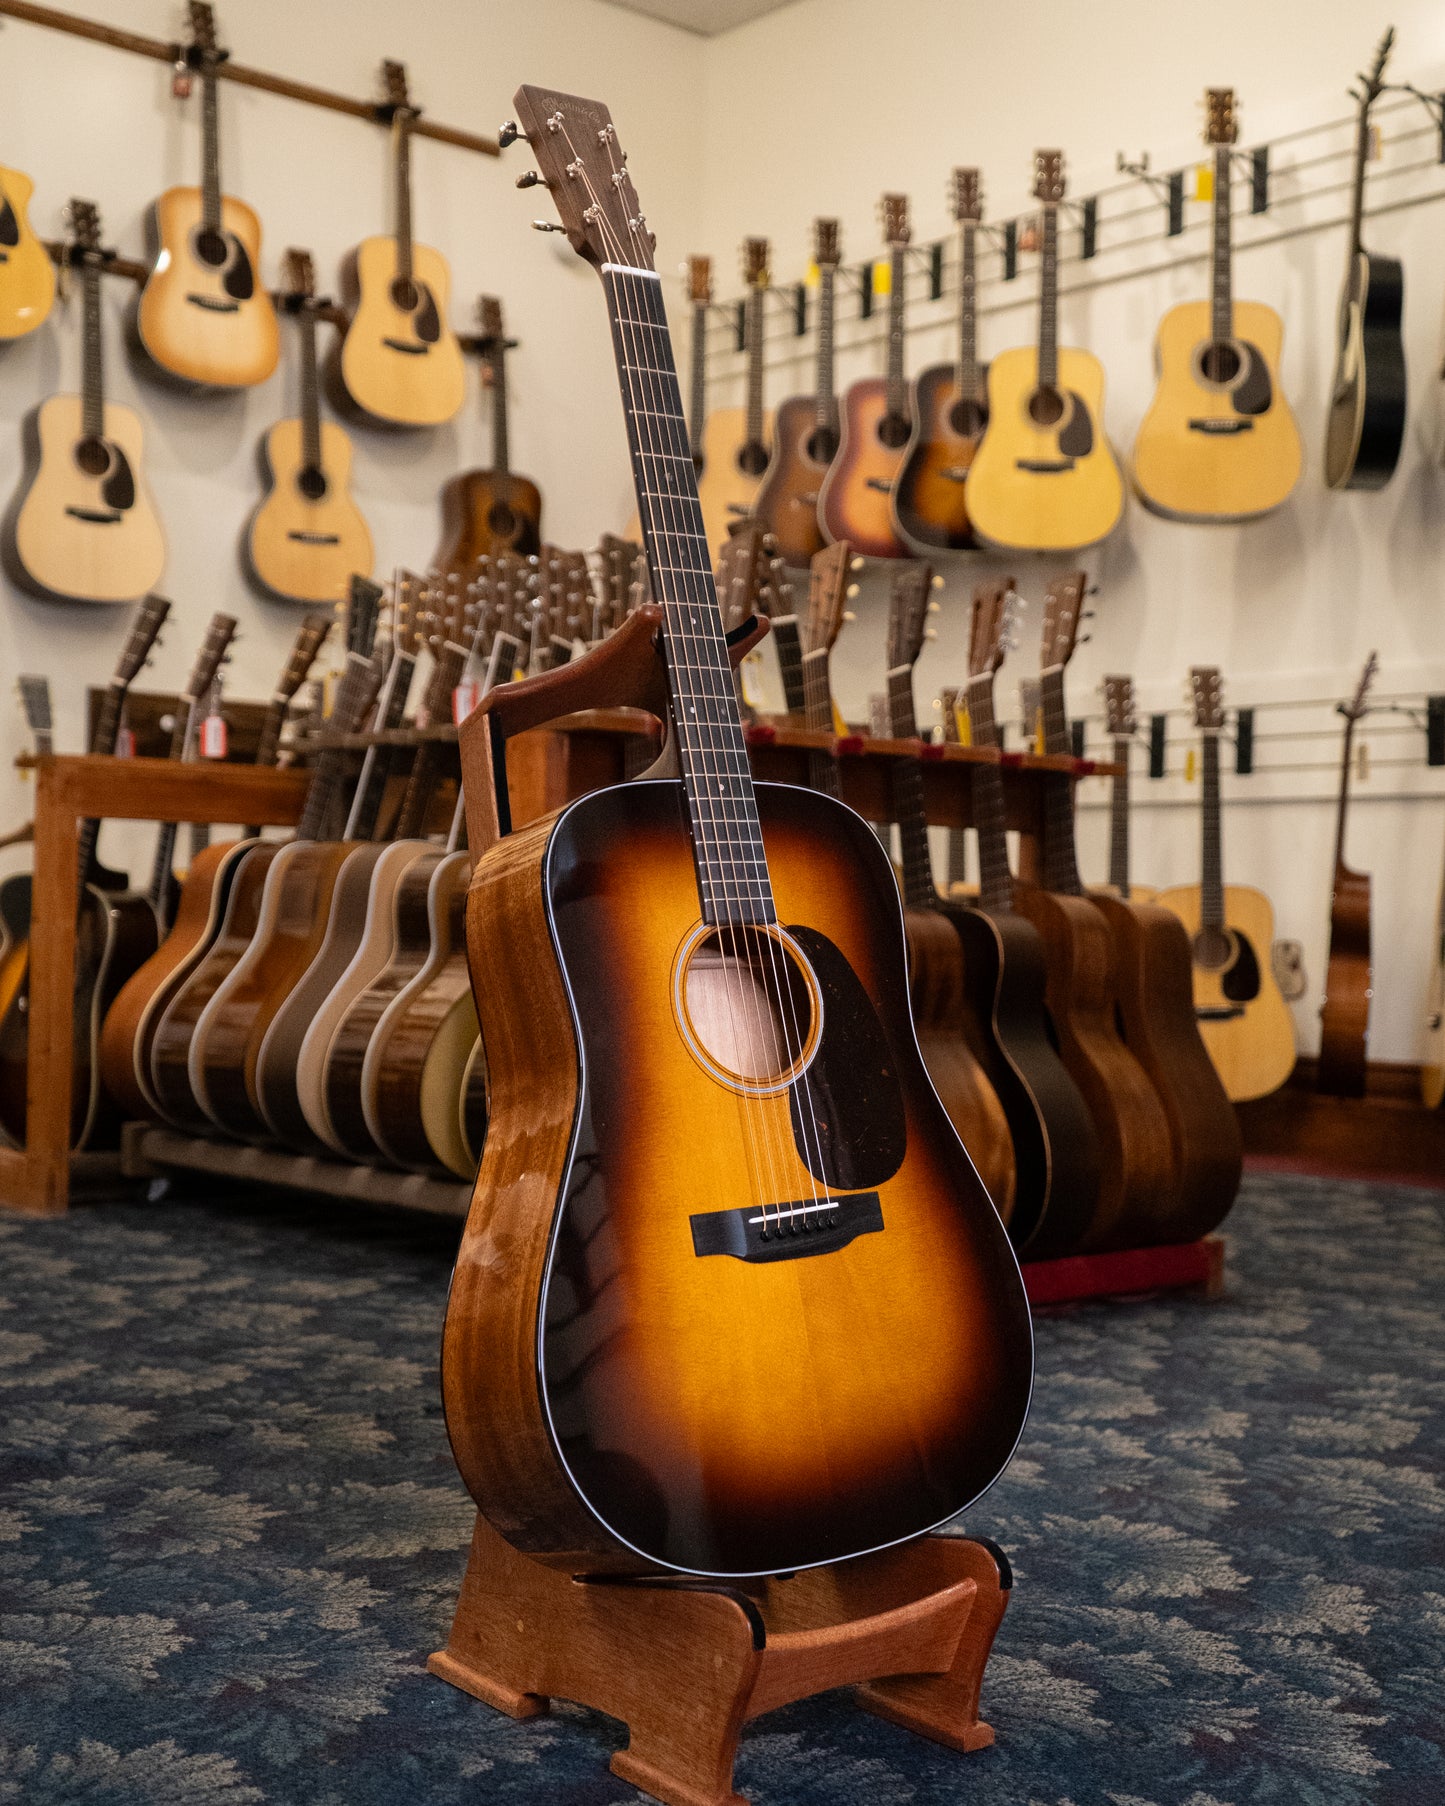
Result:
[316,539]
[213,304]
[808,1226]
[1044,467]
[408,346]
[98,517]
[1219,1012]
[1221,428]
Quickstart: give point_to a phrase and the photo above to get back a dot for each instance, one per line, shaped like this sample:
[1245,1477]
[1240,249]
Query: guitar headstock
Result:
[756,252]
[1049,185]
[1372,85]
[827,244]
[896,230]
[362,609]
[202,19]
[84,218]
[828,591]
[300,280]
[412,617]
[212,655]
[585,169]
[490,327]
[623,569]
[1120,719]
[1206,687]
[1358,705]
[397,104]
[742,571]
[145,630]
[1221,123]
[699,281]
[910,602]
[1063,612]
[35,701]
[991,629]
[966,193]
[309,641]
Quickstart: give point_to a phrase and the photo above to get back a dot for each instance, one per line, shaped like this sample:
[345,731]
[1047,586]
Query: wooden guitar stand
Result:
[686,1663]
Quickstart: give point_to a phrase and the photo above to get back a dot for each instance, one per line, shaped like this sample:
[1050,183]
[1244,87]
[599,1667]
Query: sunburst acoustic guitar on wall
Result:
[485,512]
[27,276]
[1219,442]
[307,538]
[1044,478]
[736,441]
[399,362]
[204,316]
[83,527]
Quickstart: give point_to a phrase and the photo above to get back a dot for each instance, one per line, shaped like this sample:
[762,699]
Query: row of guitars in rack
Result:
[1013,454]
[83,525]
[205,320]
[216,1005]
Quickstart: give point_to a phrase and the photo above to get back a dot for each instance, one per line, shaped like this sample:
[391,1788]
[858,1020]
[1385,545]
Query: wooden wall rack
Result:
[159,51]
[35,1179]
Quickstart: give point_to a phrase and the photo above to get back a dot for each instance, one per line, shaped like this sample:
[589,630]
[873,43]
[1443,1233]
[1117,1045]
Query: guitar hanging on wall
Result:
[1219,442]
[399,362]
[83,527]
[1345,1011]
[306,539]
[204,316]
[1366,421]
[668,1166]
[490,511]
[1044,478]
[27,276]
[735,440]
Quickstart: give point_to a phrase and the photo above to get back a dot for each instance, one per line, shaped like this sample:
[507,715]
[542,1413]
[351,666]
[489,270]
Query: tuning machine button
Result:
[531,180]
[547,225]
[508,133]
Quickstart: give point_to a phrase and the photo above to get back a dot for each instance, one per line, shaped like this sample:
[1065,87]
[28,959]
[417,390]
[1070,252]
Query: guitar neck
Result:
[354,695]
[908,811]
[210,152]
[966,374]
[183,732]
[755,303]
[1211,881]
[1061,867]
[92,356]
[990,820]
[403,196]
[732,872]
[1342,811]
[501,444]
[827,408]
[789,642]
[897,385]
[426,766]
[1221,257]
[103,743]
[698,415]
[310,394]
[1119,820]
[376,765]
[1049,300]
[1357,197]
[818,714]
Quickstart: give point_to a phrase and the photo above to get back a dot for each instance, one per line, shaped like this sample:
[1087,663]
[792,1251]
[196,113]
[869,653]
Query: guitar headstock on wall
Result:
[1063,614]
[1049,184]
[585,170]
[363,605]
[966,193]
[742,572]
[1221,124]
[910,602]
[1206,687]
[1359,704]
[1372,85]
[491,328]
[756,252]
[35,701]
[893,209]
[206,51]
[827,244]
[829,590]
[699,281]
[84,220]
[397,102]
[1120,720]
[992,627]
[300,281]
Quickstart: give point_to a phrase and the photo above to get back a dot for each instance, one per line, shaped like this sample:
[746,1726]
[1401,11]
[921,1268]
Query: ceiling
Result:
[705,17]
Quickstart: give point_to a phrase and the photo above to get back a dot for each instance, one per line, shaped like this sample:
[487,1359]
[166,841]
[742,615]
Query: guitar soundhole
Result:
[501,520]
[211,247]
[966,419]
[1214,949]
[822,446]
[9,225]
[753,459]
[312,483]
[893,431]
[748,1005]
[404,294]
[1046,407]
[1221,362]
[93,457]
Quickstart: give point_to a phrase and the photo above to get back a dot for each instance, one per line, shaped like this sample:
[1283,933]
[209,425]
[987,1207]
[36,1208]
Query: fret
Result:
[1222,303]
[1211,882]
[1049,301]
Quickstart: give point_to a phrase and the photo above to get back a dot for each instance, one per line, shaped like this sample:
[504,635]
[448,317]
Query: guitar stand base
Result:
[685,1663]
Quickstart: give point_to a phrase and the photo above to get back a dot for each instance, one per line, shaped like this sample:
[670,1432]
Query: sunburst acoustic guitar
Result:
[756,1255]
[399,363]
[27,276]
[82,526]
[1044,478]
[204,316]
[307,538]
[485,512]
[856,502]
[1219,442]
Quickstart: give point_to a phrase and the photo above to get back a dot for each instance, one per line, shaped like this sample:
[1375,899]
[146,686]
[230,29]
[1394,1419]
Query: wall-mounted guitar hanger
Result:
[159,51]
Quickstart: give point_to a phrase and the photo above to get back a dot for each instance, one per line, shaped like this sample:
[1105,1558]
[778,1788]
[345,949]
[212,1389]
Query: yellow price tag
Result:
[840,726]
[962,724]
[328,691]
[811,277]
[883,277]
[1203,182]
[748,674]
[1189,766]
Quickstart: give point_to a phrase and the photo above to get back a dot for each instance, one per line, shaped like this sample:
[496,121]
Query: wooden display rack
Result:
[36,1179]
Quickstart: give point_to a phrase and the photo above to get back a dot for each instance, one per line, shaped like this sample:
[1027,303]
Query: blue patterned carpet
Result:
[230,1533]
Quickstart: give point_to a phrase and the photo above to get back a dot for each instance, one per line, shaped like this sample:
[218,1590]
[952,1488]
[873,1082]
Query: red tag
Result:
[181,81]
[125,744]
[465,698]
[214,740]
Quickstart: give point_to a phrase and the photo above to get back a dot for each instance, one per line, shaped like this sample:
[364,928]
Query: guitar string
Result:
[781,992]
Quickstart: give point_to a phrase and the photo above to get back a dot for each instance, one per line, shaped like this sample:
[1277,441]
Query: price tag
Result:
[841,729]
[125,744]
[180,79]
[962,723]
[1204,181]
[883,277]
[214,738]
[1373,144]
[1189,766]
[465,698]
[748,672]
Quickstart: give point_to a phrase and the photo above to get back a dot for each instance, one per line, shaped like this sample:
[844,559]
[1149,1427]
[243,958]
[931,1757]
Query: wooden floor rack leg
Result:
[686,1663]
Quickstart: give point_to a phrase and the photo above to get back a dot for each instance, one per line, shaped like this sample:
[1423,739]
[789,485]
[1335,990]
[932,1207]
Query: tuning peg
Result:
[547,225]
[934,608]
[929,634]
[508,133]
[848,615]
[531,180]
[937,582]
[851,591]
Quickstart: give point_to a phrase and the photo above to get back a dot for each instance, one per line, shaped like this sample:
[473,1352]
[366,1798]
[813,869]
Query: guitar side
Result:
[1365,425]
[305,548]
[390,367]
[27,276]
[1027,491]
[1207,452]
[213,327]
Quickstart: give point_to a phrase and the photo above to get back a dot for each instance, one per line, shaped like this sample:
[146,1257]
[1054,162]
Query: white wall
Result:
[85,119]
[825,104]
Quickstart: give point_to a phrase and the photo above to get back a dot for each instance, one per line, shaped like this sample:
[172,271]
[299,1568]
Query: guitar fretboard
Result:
[1061,868]
[757,296]
[907,784]
[995,876]
[310,398]
[1211,880]
[210,153]
[501,438]
[1119,819]
[1049,299]
[818,713]
[966,375]
[732,870]
[826,417]
[1221,306]
[897,385]
[92,356]
[698,393]
[402,130]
